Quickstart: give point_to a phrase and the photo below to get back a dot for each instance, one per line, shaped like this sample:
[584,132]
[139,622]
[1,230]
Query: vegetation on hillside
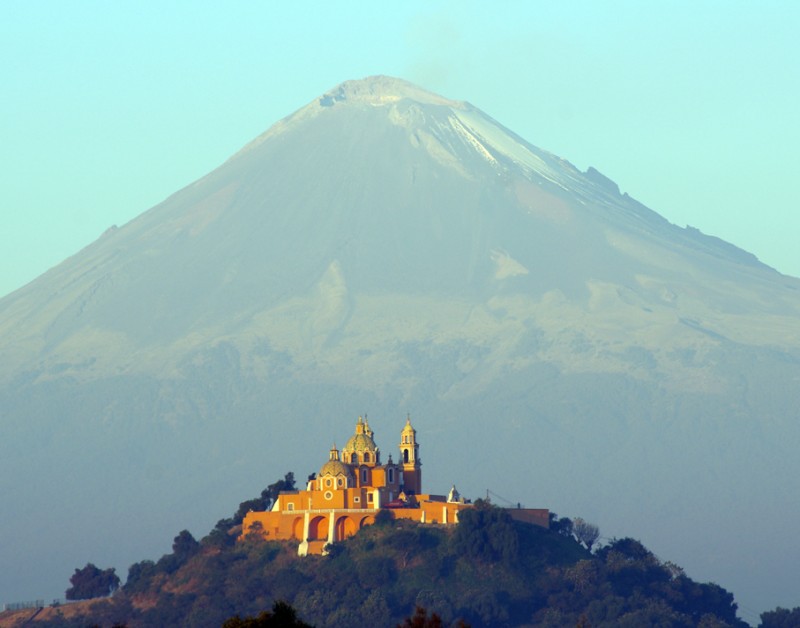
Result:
[281,616]
[487,571]
[781,618]
[91,582]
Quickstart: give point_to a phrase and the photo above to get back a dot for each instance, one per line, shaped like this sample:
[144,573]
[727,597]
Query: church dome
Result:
[362,440]
[334,468]
[360,443]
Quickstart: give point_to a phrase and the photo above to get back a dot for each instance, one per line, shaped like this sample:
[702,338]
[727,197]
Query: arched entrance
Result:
[297,528]
[366,521]
[318,529]
[345,527]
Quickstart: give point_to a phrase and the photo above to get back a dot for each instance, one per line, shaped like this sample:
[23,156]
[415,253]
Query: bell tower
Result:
[410,460]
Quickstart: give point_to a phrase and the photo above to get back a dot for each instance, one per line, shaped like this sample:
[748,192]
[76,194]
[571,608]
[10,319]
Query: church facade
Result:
[352,487]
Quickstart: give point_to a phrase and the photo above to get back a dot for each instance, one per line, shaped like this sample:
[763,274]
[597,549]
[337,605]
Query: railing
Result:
[323,511]
[21,606]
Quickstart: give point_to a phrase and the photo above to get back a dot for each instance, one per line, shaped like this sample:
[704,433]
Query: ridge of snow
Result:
[471,139]
[507,145]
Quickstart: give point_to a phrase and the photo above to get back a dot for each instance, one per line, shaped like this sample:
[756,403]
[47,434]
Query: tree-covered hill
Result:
[487,571]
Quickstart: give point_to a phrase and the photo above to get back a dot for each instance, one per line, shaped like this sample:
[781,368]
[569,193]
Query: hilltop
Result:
[488,571]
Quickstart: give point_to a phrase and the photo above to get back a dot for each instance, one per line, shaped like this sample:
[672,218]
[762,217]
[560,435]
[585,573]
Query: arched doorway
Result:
[366,521]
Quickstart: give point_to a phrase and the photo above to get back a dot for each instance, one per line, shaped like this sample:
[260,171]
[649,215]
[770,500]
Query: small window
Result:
[357,500]
[366,456]
[328,482]
[363,475]
[339,481]
[354,458]
[328,495]
[391,476]
[289,506]
[405,455]
[369,498]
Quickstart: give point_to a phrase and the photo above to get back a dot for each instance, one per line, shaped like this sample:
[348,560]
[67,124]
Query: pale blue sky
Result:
[109,107]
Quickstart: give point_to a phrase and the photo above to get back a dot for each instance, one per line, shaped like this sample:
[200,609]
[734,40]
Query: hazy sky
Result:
[109,107]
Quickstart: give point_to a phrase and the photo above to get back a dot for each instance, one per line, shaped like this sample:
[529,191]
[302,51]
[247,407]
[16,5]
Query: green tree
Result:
[384,517]
[282,616]
[139,575]
[781,618]
[257,504]
[421,619]
[184,545]
[270,494]
[91,582]
[265,500]
[585,532]
[221,535]
[376,571]
[486,532]
[560,525]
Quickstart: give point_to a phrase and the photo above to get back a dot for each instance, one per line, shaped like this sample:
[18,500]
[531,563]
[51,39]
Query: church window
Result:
[405,455]
[366,456]
[391,475]
[328,482]
[370,498]
[328,495]
[289,506]
[356,500]
[354,458]
[363,475]
[339,482]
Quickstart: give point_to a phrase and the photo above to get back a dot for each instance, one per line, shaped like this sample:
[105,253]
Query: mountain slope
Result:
[389,250]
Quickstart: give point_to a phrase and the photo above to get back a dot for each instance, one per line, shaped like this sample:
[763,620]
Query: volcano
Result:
[388,250]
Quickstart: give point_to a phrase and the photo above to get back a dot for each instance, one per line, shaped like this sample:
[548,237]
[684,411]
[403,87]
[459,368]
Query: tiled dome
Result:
[334,468]
[360,443]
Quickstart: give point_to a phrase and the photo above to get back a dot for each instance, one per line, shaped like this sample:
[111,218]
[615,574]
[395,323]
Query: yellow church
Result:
[350,489]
